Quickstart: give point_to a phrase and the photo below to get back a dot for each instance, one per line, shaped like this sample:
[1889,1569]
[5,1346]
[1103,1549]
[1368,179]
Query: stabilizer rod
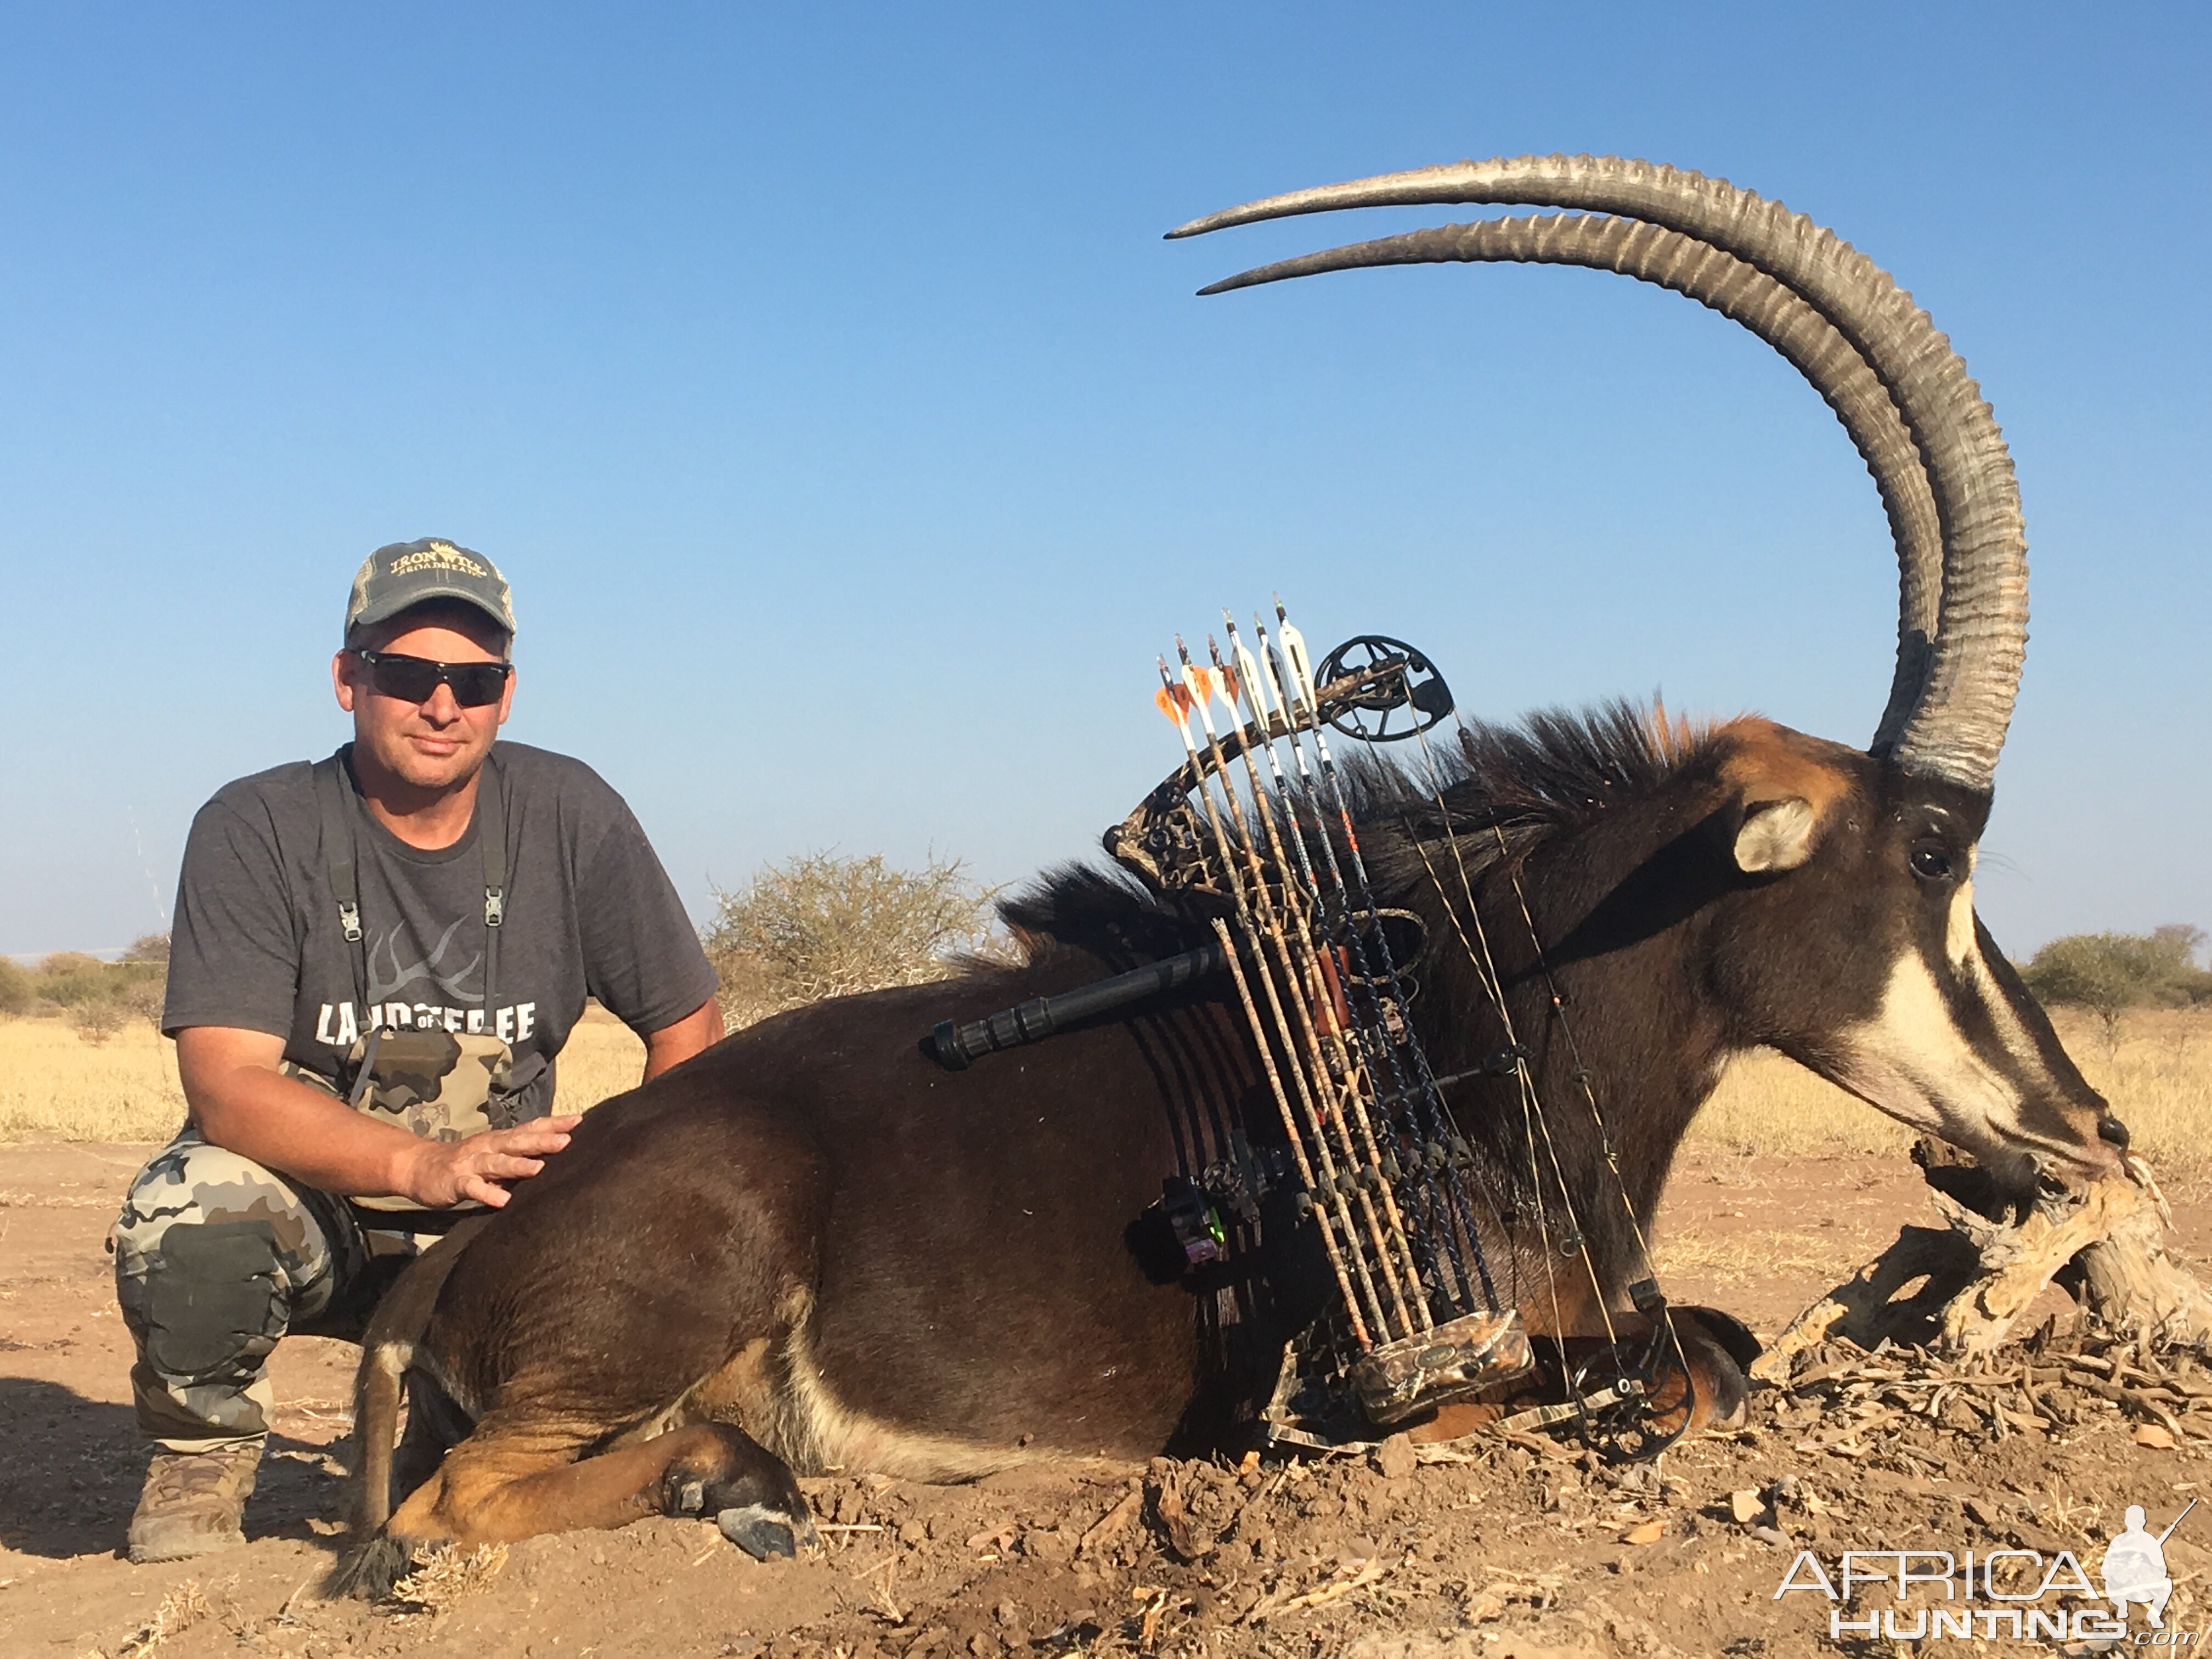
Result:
[954,1047]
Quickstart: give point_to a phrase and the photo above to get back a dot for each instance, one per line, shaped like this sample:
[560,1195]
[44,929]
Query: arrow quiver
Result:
[1256,825]
[1256,830]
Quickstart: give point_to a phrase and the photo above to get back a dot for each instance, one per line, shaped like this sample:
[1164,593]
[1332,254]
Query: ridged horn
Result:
[1953,725]
[1745,295]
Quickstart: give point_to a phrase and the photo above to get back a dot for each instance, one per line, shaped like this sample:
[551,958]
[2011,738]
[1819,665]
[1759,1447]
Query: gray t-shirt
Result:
[589,911]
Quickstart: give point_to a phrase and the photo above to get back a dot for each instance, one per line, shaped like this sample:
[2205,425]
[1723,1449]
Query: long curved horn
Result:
[1956,725]
[1745,295]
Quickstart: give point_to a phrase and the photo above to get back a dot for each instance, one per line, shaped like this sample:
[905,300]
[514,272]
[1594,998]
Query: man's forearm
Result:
[672,1045]
[299,1131]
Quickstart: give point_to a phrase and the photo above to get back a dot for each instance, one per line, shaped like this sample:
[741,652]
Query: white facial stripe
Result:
[1962,942]
[1958,940]
[2011,1034]
[1912,1061]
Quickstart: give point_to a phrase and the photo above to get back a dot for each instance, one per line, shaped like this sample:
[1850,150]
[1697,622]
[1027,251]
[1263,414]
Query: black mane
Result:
[1103,909]
[1504,789]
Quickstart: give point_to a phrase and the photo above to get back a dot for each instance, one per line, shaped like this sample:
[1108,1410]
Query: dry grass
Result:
[55,1085]
[1766,1104]
[2157,1078]
[181,1609]
[444,1573]
[1740,1258]
[604,1058]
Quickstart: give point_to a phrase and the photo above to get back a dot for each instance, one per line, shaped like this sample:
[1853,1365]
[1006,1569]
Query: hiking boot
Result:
[193,1501]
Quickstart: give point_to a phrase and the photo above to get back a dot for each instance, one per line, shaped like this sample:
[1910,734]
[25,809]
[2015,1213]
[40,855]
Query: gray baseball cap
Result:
[406,574]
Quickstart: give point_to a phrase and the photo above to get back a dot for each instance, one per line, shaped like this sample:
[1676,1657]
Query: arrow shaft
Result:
[1322,1215]
[1450,1217]
[1358,1095]
[1302,708]
[1329,1192]
[1341,1071]
[1317,1081]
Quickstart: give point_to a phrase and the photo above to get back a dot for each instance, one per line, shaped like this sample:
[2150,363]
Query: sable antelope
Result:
[812,1247]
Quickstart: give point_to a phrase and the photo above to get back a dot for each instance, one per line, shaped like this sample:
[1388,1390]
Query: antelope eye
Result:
[1931,863]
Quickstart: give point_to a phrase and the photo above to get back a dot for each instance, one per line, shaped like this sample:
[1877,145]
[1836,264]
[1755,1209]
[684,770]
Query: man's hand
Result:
[242,1101]
[443,1173]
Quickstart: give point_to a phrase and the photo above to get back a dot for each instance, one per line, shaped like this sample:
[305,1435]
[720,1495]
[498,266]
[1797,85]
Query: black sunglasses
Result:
[416,679]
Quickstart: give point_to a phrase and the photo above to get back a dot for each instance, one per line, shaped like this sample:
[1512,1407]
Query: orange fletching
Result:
[1168,703]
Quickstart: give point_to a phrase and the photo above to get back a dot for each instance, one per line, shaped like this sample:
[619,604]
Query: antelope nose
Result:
[2111,1128]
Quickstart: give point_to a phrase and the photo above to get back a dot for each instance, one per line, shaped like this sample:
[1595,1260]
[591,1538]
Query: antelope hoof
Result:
[746,1487]
[762,1533]
[1718,1350]
[749,1491]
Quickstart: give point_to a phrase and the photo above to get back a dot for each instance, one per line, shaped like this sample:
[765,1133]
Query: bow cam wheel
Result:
[1406,696]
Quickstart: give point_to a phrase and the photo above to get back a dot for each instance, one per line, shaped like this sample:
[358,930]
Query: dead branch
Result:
[1956,1291]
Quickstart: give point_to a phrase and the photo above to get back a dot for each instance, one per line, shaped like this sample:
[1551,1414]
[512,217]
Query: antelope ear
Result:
[1777,834]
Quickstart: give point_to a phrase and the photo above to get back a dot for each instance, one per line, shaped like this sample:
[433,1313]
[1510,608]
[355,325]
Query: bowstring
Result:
[1487,978]
[1583,1080]
[1523,1076]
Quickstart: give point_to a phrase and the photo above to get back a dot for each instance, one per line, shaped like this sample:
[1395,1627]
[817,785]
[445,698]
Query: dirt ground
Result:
[1526,1548]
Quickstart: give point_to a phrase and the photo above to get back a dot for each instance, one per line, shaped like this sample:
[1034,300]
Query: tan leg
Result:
[496,1488]
[511,1481]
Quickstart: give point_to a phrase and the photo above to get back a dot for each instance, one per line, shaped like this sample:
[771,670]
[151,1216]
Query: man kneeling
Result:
[375,960]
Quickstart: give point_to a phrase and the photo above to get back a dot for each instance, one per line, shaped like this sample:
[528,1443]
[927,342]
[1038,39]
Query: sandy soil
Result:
[1518,1549]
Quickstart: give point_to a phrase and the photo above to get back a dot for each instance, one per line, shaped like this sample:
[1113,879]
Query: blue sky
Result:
[853,440]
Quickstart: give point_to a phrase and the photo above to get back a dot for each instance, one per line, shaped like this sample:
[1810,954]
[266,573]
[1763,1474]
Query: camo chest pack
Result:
[433,1083]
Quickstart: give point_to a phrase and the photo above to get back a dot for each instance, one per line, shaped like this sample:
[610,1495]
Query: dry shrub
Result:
[17,991]
[2109,973]
[149,947]
[71,979]
[444,1573]
[97,1019]
[821,926]
[181,1608]
[143,999]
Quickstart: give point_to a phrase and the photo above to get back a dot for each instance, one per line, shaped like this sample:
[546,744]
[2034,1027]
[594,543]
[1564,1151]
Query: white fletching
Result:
[1300,664]
[1252,683]
[1228,701]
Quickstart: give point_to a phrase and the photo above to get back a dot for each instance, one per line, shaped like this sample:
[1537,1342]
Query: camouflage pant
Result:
[216,1258]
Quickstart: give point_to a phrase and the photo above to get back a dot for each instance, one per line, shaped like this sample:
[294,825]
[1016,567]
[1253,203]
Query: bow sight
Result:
[1324,975]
